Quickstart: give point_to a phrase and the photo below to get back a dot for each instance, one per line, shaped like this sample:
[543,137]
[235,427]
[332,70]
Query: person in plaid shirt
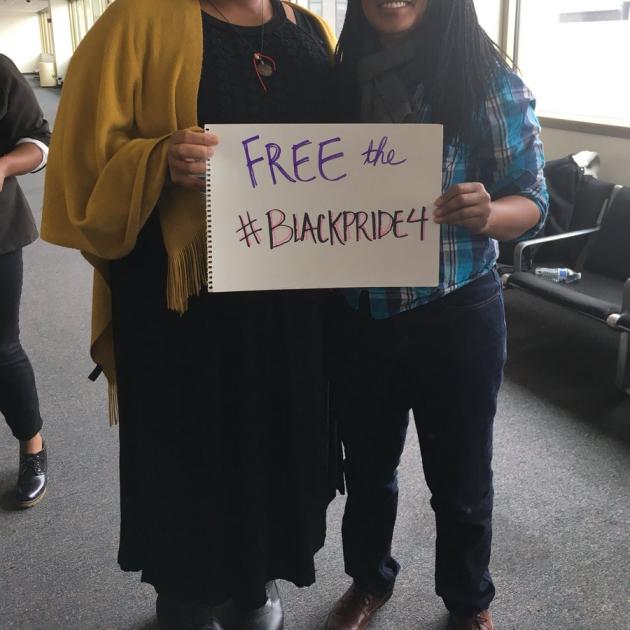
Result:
[438,351]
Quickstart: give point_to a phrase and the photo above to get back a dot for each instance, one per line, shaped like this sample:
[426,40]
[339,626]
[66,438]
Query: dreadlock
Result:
[459,61]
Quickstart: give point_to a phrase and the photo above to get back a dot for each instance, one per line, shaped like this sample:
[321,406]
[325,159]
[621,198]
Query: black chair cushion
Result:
[594,295]
[609,250]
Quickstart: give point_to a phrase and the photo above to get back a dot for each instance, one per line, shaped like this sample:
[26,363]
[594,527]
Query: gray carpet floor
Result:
[561,558]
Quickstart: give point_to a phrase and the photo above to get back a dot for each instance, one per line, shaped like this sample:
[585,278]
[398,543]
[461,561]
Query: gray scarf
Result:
[384,95]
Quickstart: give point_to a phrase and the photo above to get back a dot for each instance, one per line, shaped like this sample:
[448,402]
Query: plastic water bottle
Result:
[558,274]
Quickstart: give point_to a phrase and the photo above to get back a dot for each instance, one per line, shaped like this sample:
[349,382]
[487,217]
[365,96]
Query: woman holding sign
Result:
[439,350]
[226,453]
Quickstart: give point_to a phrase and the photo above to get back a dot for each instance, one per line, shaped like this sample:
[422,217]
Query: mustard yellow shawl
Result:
[132,82]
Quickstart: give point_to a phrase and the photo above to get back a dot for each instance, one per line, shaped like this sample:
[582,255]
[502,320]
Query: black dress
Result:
[227,457]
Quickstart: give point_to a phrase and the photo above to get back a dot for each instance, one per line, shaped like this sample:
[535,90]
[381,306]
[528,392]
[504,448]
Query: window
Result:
[315,6]
[341,6]
[45,32]
[83,14]
[489,14]
[574,55]
[334,11]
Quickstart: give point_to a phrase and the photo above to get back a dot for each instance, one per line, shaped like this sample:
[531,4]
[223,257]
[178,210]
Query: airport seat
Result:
[577,201]
[602,255]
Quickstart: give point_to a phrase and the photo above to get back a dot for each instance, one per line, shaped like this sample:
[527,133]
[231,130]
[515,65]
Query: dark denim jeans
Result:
[18,395]
[444,361]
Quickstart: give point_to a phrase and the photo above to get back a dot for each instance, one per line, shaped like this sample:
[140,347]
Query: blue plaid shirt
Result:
[507,158]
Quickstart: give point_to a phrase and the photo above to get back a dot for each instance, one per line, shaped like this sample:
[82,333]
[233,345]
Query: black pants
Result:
[445,362]
[18,394]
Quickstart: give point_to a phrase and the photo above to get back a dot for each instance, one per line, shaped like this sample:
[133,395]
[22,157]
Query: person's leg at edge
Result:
[18,393]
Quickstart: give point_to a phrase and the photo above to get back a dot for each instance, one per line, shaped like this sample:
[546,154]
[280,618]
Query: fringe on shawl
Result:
[186,277]
[113,404]
[186,274]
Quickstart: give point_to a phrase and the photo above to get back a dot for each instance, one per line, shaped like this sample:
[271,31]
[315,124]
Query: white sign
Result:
[317,206]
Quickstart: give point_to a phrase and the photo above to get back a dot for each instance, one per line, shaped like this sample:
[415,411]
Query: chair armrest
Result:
[521,247]
[621,321]
[625,300]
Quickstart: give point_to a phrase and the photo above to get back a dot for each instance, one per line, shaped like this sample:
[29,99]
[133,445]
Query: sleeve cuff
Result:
[542,201]
[43,147]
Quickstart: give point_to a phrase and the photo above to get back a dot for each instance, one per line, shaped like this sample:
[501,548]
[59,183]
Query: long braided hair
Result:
[457,61]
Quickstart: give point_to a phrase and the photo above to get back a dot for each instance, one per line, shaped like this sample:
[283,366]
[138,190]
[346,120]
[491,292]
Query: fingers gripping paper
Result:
[317,206]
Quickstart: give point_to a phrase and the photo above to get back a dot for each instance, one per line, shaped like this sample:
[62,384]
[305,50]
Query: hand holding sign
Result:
[466,204]
[309,206]
[187,154]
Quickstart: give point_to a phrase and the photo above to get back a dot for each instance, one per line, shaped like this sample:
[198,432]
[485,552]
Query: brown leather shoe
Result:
[480,621]
[354,610]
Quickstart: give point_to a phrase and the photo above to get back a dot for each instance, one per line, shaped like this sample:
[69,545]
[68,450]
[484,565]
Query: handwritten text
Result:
[341,228]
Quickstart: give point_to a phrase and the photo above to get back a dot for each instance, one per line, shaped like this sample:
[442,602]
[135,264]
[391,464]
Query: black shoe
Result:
[173,614]
[270,616]
[32,478]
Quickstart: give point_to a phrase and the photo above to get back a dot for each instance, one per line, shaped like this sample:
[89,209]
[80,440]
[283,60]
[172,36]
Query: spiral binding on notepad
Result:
[209,221]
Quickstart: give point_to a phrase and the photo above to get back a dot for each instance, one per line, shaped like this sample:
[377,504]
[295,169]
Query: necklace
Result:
[264,66]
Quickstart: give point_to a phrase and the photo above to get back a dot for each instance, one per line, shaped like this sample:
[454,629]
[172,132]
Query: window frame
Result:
[510,43]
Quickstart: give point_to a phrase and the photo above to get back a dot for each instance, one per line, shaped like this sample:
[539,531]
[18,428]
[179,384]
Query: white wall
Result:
[20,40]
[62,35]
[613,152]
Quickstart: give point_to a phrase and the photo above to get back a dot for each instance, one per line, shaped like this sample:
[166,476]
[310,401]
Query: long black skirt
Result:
[227,454]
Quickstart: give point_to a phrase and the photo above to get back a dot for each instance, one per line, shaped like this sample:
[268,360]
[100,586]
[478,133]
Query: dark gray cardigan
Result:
[20,117]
